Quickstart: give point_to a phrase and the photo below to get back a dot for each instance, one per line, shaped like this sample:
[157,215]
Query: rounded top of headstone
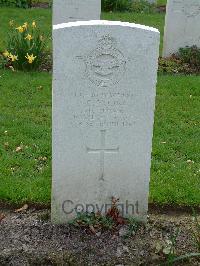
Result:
[103,23]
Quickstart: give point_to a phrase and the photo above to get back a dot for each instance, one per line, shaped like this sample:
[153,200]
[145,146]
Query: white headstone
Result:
[75,10]
[103,112]
[152,1]
[182,25]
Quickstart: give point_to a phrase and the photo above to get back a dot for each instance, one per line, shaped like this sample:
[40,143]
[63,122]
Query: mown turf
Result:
[25,121]
[25,126]
[161,2]
[43,18]
[175,175]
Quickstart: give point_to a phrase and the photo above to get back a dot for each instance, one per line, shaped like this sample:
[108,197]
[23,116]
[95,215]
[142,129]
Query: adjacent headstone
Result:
[103,109]
[152,1]
[182,25]
[75,10]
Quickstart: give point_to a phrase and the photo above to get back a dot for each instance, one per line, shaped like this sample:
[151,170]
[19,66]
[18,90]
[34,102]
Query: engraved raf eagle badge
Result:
[105,65]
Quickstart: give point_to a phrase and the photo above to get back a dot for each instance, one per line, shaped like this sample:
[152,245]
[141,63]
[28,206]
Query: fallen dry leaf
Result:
[92,229]
[18,149]
[2,216]
[42,158]
[23,208]
[12,68]
[190,161]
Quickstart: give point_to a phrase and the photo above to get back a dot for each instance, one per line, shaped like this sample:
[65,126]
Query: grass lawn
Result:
[25,126]
[25,122]
[161,2]
[43,18]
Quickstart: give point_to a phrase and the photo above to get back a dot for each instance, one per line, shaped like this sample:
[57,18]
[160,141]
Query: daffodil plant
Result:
[26,45]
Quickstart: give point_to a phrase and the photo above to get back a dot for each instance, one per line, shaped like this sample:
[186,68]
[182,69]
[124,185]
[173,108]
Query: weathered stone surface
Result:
[75,10]
[182,25]
[103,109]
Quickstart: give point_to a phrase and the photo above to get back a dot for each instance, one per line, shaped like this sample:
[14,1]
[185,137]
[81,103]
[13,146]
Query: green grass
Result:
[176,140]
[26,120]
[161,2]
[43,18]
[26,116]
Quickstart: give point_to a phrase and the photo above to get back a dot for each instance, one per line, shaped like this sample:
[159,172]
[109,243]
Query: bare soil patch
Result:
[29,238]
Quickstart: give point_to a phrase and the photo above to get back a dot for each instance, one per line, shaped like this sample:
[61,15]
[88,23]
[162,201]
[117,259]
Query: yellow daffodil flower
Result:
[6,53]
[13,57]
[11,23]
[25,26]
[20,29]
[34,24]
[29,37]
[30,58]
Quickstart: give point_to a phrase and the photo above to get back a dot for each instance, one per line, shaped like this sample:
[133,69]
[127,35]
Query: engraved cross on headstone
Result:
[102,150]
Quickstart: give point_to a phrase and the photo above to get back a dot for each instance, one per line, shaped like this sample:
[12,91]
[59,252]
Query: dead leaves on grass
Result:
[19,148]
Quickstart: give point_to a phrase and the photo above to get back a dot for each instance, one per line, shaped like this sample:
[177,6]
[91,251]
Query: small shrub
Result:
[137,6]
[142,6]
[172,65]
[93,221]
[116,5]
[16,3]
[190,55]
[25,48]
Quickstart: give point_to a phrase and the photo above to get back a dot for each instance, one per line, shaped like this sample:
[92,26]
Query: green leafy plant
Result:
[25,47]
[16,3]
[112,220]
[170,250]
[138,6]
[142,6]
[116,5]
[93,221]
[190,55]
[133,226]
[172,65]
